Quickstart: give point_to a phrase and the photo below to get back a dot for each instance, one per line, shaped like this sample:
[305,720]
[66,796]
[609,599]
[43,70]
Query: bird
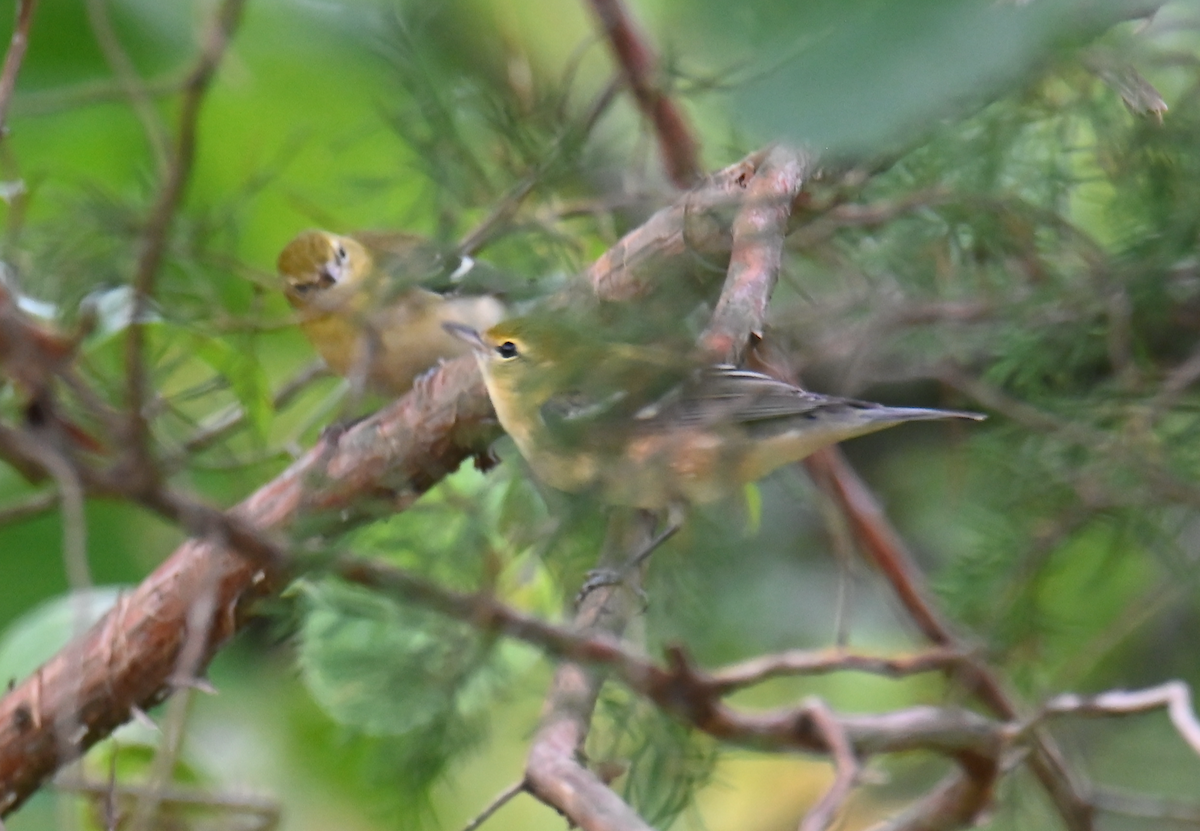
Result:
[645,428]
[373,307]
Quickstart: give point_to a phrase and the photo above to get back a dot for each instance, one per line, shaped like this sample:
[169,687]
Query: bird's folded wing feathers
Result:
[726,394]
[711,397]
[408,261]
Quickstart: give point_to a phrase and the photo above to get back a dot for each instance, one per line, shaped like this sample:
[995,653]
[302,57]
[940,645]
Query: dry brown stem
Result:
[676,141]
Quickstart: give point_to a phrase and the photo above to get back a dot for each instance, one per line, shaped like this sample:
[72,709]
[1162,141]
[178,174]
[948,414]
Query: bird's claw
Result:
[598,578]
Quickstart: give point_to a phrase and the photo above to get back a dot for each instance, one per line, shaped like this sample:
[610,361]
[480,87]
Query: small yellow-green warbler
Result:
[370,312]
[641,428]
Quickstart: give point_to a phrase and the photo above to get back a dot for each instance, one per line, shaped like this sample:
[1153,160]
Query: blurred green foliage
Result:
[1022,228]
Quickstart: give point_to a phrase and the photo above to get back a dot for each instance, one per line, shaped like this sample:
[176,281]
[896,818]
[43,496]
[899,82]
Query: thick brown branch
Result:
[554,769]
[758,232]
[697,226]
[125,661]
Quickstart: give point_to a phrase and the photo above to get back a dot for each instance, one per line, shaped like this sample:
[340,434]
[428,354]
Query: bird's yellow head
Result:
[318,266]
[524,362]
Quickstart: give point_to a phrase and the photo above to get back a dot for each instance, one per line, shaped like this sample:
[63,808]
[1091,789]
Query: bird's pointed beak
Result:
[467,335]
[327,275]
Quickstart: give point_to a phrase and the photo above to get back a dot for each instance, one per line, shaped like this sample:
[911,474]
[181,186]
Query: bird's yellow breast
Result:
[336,338]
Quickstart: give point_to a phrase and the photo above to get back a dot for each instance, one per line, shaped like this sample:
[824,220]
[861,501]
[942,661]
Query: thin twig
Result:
[88,93]
[70,490]
[803,662]
[676,140]
[502,799]
[1137,805]
[228,421]
[31,506]
[886,549]
[14,57]
[1174,696]
[508,204]
[154,239]
[131,83]
[845,767]
[263,807]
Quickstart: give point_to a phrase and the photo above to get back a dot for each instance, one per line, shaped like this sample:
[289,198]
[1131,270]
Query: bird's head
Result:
[317,265]
[522,356]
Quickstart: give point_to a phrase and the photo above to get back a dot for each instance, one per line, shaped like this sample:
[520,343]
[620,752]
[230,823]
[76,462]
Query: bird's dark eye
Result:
[341,252]
[507,350]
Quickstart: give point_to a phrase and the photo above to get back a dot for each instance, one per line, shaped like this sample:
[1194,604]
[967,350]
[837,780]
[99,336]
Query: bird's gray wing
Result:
[728,395]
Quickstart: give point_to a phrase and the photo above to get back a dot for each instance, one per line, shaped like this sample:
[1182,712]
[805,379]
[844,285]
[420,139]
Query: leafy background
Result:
[1035,192]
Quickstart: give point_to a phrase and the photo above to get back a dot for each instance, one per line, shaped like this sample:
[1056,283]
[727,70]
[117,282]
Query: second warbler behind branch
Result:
[381,327]
[645,429]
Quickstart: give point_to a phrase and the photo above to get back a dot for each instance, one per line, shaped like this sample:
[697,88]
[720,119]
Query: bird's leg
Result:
[355,389]
[675,515]
[366,351]
[611,577]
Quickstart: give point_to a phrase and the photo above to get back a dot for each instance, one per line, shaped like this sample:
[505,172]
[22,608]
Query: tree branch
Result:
[758,233]
[155,237]
[676,142]
[127,659]
[696,226]
[883,545]
[804,662]
[553,770]
[14,57]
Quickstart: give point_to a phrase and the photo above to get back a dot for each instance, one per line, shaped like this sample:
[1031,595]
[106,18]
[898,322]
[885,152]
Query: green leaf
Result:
[850,77]
[386,669]
[244,374]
